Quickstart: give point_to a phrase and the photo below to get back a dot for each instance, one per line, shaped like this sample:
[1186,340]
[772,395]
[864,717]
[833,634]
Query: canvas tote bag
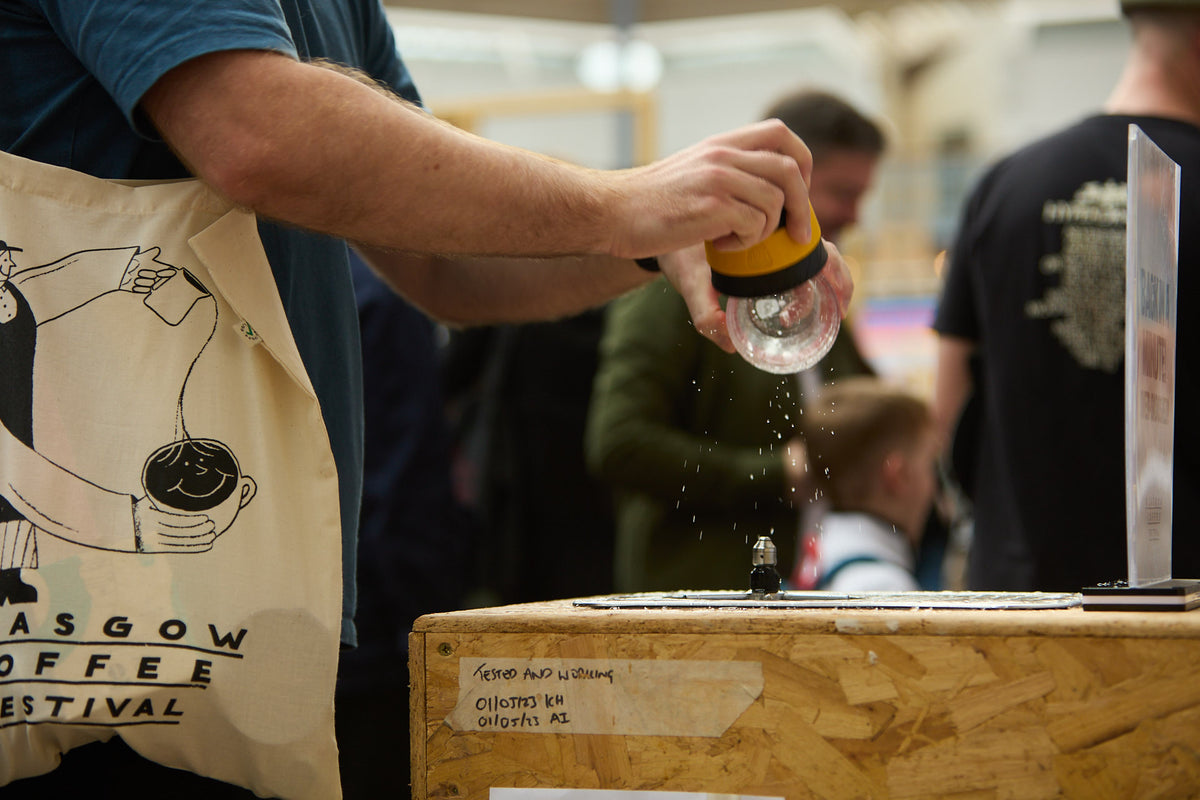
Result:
[170,545]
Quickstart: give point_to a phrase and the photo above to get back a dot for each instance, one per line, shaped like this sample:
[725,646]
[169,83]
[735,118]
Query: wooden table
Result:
[811,703]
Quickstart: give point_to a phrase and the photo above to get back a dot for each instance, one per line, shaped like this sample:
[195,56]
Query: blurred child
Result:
[872,450]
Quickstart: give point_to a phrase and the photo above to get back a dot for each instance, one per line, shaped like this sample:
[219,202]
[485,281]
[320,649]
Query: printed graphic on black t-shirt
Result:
[1088,304]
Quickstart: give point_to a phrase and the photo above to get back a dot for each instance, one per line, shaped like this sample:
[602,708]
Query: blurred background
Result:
[613,83]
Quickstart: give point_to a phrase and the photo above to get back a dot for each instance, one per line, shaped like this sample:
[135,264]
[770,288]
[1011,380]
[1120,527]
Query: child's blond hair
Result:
[851,428]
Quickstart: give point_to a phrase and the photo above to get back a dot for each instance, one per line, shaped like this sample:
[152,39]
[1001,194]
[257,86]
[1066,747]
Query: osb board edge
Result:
[418,755]
[563,617]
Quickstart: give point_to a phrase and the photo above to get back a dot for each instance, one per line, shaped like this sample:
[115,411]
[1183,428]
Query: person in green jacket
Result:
[700,447]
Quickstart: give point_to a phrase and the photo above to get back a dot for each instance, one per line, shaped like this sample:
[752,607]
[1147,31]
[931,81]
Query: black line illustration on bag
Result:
[194,476]
[194,487]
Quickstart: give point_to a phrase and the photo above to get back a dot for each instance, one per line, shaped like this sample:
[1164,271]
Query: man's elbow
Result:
[250,171]
[222,115]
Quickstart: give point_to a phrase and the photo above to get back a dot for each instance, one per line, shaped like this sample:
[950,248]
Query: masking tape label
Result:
[630,697]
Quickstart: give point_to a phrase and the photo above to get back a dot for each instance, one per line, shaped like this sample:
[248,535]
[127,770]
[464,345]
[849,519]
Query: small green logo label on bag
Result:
[246,330]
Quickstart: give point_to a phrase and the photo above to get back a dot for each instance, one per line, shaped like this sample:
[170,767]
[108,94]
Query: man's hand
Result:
[688,271]
[728,189]
[839,277]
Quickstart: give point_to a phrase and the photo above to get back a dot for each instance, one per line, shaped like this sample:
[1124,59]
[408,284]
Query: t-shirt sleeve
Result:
[129,44]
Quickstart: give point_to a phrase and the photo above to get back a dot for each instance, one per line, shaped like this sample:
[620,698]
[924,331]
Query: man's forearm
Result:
[315,148]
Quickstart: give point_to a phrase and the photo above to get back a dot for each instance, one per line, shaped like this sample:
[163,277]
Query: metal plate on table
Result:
[798,599]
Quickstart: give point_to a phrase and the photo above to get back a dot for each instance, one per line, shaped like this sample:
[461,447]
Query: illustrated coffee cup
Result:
[198,476]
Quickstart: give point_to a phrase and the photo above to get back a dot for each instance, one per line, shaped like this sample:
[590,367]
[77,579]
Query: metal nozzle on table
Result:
[764,577]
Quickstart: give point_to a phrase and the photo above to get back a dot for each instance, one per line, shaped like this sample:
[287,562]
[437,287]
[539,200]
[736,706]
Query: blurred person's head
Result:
[1178,20]
[1133,7]
[1161,76]
[846,147]
[872,448]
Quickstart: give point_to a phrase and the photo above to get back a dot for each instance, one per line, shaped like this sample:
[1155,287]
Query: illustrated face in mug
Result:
[198,476]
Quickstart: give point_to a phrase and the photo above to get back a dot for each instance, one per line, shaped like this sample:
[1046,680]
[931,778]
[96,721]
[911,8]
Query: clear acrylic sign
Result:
[1151,278]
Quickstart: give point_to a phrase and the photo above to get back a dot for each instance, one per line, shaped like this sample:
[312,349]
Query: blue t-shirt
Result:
[73,75]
